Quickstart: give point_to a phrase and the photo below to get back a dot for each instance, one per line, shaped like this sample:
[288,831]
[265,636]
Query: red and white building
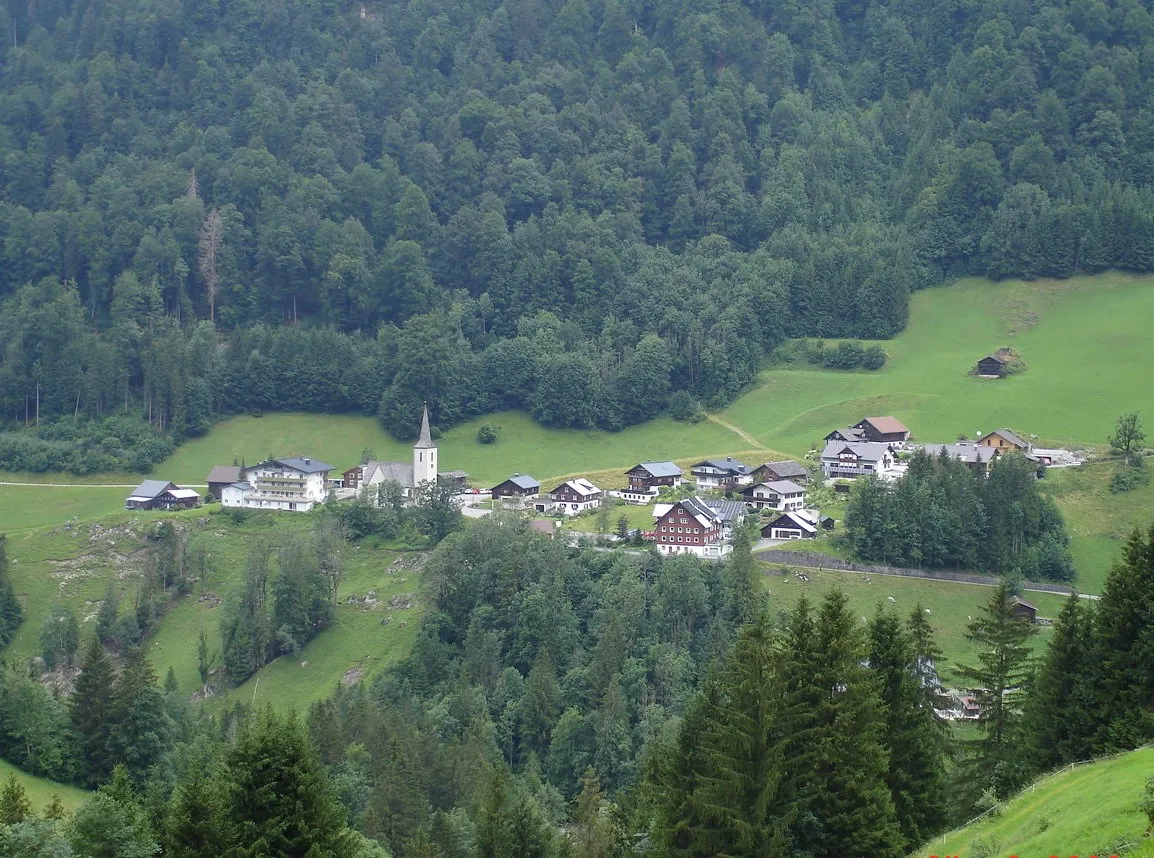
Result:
[689,526]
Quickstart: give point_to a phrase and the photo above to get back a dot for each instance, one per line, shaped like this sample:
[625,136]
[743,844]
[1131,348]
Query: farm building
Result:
[797,524]
[648,477]
[1022,609]
[1005,440]
[221,476]
[784,470]
[889,430]
[159,494]
[518,488]
[720,473]
[1001,363]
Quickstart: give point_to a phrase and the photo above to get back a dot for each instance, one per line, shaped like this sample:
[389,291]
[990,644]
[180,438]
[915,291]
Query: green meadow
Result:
[40,791]
[1085,810]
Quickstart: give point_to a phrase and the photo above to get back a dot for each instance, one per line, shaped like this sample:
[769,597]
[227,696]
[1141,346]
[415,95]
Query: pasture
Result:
[40,791]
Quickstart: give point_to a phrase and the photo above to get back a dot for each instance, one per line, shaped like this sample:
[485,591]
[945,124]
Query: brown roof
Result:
[546,527]
[1018,600]
[224,474]
[886,424]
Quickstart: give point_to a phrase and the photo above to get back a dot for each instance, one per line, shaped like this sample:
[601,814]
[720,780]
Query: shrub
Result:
[487,433]
[874,358]
[684,407]
[1129,479]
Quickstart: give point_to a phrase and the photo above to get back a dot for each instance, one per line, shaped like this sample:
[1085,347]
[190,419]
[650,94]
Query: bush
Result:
[684,407]
[1129,479]
[488,433]
[874,358]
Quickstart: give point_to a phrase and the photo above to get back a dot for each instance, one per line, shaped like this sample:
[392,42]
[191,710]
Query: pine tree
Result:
[280,800]
[831,731]
[997,681]
[1124,648]
[510,823]
[540,704]
[916,741]
[194,826]
[741,578]
[14,804]
[55,808]
[92,712]
[597,833]
[142,730]
[11,612]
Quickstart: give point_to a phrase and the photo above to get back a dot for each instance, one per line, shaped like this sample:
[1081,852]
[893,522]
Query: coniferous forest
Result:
[575,208]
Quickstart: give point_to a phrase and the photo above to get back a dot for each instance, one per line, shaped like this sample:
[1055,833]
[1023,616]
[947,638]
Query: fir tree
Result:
[142,729]
[92,712]
[917,775]
[540,705]
[106,616]
[996,681]
[510,823]
[11,612]
[741,578]
[55,808]
[14,804]
[194,826]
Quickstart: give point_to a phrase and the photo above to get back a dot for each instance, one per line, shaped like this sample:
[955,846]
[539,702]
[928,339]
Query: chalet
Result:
[517,489]
[648,477]
[732,514]
[852,460]
[720,473]
[1021,609]
[785,470]
[1004,440]
[689,526]
[848,435]
[975,457]
[782,495]
[221,476]
[796,524]
[992,366]
[296,483]
[159,494]
[887,429]
[575,496]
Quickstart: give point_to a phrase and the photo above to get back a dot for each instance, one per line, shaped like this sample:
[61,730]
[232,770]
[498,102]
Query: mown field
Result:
[40,791]
[1087,810]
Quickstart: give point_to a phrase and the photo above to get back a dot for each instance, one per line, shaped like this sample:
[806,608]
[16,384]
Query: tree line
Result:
[671,183]
[942,513]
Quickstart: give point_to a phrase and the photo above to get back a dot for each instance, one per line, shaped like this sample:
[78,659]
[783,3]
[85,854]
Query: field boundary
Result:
[816,560]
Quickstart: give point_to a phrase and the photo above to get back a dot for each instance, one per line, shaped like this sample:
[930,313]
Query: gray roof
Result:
[242,486]
[150,488]
[870,451]
[726,464]
[390,472]
[964,452]
[1012,438]
[803,519]
[784,487]
[224,474]
[786,469]
[523,481]
[729,510]
[697,506]
[425,442]
[660,469]
[303,464]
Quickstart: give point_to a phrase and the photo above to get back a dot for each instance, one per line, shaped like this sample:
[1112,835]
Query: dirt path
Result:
[745,436]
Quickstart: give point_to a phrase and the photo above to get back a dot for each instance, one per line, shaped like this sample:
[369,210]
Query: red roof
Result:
[886,425]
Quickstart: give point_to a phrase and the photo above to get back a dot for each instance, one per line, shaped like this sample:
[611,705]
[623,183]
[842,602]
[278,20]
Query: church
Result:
[422,469]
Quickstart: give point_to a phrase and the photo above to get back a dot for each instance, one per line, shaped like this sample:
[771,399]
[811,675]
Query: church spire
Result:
[425,442]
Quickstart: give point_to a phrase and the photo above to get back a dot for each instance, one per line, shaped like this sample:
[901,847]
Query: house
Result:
[160,494]
[408,475]
[295,483]
[732,514]
[781,495]
[784,470]
[1005,440]
[1021,609]
[720,473]
[970,710]
[575,496]
[517,489]
[974,456]
[888,429]
[852,460]
[648,477]
[993,366]
[795,524]
[689,526]
[221,476]
[849,435]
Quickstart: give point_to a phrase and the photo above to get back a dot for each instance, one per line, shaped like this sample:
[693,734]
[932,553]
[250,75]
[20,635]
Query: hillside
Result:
[1086,810]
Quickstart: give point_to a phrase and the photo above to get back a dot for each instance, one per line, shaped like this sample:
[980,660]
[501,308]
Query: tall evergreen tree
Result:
[11,611]
[195,823]
[741,577]
[510,823]
[917,773]
[14,804]
[93,709]
[142,729]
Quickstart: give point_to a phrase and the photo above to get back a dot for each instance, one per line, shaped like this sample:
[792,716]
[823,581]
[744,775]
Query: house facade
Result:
[649,477]
[573,497]
[731,513]
[796,524]
[852,460]
[991,366]
[889,430]
[1004,440]
[161,494]
[689,526]
[720,473]
[784,470]
[296,484]
[221,476]
[974,456]
[781,495]
[517,489]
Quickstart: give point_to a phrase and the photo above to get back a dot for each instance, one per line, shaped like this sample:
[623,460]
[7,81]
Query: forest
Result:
[579,704]
[576,208]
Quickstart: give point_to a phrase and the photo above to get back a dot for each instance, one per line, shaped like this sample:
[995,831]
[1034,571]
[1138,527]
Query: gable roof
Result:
[728,511]
[301,464]
[1002,359]
[1018,600]
[1009,436]
[870,451]
[781,487]
[425,441]
[183,493]
[705,514]
[970,453]
[849,433]
[223,474]
[658,469]
[149,489]
[385,472]
[786,469]
[580,485]
[801,519]
[521,481]
[885,425]
[727,464]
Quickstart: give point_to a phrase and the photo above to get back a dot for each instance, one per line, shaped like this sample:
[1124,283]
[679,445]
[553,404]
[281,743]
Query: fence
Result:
[817,560]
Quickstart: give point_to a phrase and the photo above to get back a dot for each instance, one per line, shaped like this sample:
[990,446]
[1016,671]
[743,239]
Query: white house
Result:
[781,495]
[575,496]
[856,458]
[297,483]
[720,473]
[796,524]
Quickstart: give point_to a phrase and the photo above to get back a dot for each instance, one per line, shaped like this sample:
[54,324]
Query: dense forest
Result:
[575,207]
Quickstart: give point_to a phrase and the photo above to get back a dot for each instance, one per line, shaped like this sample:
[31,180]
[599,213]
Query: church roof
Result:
[425,442]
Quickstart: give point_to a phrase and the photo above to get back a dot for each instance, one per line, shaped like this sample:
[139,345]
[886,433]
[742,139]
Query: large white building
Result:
[297,483]
[423,468]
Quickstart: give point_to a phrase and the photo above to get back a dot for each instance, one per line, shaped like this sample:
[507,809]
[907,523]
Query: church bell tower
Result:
[424,454]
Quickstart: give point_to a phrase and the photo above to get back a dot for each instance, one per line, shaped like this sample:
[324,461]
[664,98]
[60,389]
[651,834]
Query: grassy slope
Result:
[40,791]
[1090,810]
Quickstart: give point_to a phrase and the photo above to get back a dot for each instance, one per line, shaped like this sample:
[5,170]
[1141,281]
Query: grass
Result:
[26,507]
[40,791]
[951,604]
[1087,810]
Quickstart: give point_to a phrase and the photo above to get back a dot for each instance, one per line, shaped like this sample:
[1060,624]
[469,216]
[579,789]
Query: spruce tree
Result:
[11,612]
[741,578]
[142,730]
[997,681]
[14,804]
[916,741]
[1124,648]
[510,823]
[280,800]
[107,615]
[92,708]
[834,756]
[194,826]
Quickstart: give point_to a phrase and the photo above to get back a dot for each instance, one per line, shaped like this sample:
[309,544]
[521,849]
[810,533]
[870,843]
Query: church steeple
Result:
[425,454]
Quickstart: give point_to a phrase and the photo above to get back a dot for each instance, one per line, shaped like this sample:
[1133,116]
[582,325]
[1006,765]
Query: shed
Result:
[1022,609]
[221,476]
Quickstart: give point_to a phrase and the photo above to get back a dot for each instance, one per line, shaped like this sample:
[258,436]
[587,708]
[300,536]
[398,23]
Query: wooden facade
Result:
[786,470]
[883,429]
[517,486]
[991,366]
[649,476]
[688,527]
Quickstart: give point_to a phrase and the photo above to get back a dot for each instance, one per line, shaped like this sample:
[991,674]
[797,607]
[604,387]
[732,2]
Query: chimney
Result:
[515,474]
[308,461]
